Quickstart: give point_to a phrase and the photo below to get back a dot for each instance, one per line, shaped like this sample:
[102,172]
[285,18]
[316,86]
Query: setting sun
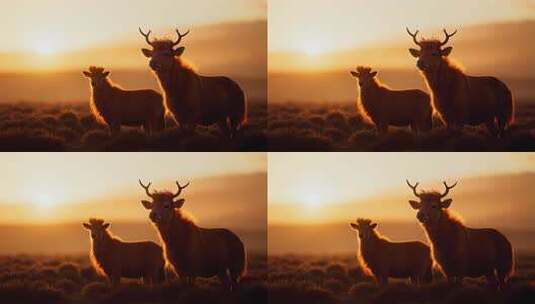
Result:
[46,47]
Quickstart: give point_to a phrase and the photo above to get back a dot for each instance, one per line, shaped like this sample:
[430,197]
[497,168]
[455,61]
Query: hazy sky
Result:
[317,26]
[49,26]
[313,179]
[48,180]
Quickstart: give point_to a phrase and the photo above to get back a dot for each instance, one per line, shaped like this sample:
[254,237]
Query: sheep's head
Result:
[97,227]
[364,227]
[431,204]
[97,75]
[431,51]
[364,75]
[163,52]
[163,204]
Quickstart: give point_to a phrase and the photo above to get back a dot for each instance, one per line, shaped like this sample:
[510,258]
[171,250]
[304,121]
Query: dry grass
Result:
[338,279]
[70,279]
[323,127]
[71,127]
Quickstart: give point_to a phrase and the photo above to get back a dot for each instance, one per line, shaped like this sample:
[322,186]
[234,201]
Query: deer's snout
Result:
[421,217]
[154,217]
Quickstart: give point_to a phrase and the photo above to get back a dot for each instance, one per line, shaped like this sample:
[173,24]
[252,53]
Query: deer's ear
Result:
[106,74]
[147,53]
[354,74]
[415,53]
[446,203]
[354,226]
[147,204]
[106,226]
[447,51]
[179,203]
[373,226]
[179,51]
[87,74]
[415,205]
[86,226]
[373,74]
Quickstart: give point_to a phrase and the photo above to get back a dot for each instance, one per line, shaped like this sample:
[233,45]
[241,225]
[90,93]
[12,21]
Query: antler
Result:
[414,36]
[180,36]
[146,188]
[146,35]
[448,36]
[413,188]
[447,188]
[180,188]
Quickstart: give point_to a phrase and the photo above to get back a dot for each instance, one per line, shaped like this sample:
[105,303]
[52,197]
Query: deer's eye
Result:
[435,54]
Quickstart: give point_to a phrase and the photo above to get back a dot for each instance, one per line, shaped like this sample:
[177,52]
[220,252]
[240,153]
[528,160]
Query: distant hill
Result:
[502,201]
[501,49]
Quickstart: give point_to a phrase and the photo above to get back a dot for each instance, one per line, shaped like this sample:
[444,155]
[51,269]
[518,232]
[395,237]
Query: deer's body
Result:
[118,107]
[117,259]
[191,250]
[385,259]
[194,99]
[461,251]
[461,99]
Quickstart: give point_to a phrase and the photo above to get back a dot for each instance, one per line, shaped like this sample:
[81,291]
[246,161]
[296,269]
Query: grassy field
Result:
[338,127]
[71,279]
[71,127]
[338,279]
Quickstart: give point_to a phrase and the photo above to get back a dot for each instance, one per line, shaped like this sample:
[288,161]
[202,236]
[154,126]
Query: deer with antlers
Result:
[191,98]
[191,250]
[461,251]
[458,98]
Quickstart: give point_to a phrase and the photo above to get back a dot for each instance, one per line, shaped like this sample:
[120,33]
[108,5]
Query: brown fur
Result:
[461,99]
[115,106]
[114,258]
[201,100]
[194,251]
[382,258]
[385,107]
[461,251]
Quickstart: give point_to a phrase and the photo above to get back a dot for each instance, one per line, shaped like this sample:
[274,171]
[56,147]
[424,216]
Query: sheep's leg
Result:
[115,280]
[224,277]
[492,282]
[382,280]
[225,129]
[491,127]
[382,128]
[115,129]
[414,280]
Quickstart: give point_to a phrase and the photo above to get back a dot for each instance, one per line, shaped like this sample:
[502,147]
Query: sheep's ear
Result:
[87,74]
[106,226]
[179,51]
[179,203]
[354,226]
[86,226]
[373,226]
[147,53]
[415,205]
[354,74]
[147,204]
[373,74]
[415,53]
[106,74]
[446,203]
[447,51]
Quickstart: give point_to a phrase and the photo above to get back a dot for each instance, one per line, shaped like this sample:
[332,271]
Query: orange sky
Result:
[62,187]
[43,31]
[307,187]
[312,29]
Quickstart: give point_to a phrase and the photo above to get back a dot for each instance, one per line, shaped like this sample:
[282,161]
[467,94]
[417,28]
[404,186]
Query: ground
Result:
[339,127]
[72,127]
[71,279]
[338,279]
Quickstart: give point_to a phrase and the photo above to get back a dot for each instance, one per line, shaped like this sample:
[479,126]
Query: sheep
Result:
[381,258]
[115,106]
[458,98]
[113,258]
[191,98]
[385,107]
[191,250]
[458,250]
